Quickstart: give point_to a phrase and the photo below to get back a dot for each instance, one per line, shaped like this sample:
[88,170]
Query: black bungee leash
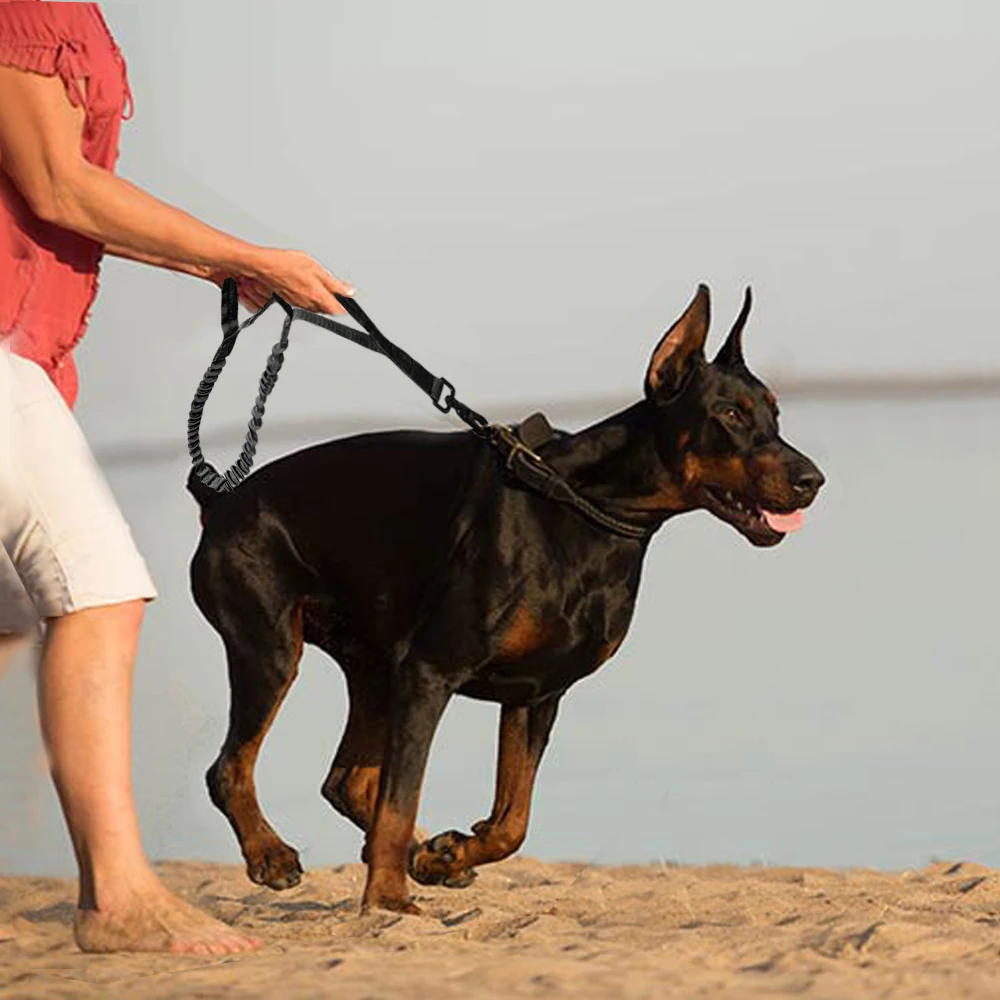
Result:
[514,445]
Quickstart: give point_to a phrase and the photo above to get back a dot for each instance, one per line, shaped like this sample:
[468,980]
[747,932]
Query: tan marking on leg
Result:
[353,792]
[525,633]
[256,835]
[388,849]
[351,787]
[504,832]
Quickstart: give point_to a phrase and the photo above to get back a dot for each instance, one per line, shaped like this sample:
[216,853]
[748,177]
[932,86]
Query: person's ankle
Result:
[111,889]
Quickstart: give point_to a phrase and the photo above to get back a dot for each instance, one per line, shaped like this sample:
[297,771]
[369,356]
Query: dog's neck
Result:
[616,464]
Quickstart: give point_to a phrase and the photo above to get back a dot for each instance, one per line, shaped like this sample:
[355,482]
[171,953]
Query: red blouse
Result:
[48,275]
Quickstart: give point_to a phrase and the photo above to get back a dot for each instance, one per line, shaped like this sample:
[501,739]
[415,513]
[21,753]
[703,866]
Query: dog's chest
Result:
[544,643]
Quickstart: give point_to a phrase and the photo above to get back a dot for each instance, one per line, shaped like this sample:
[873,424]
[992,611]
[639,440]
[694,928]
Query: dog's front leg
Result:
[450,858]
[418,699]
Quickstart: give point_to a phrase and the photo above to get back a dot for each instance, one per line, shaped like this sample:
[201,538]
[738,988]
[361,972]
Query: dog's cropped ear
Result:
[731,353]
[682,346]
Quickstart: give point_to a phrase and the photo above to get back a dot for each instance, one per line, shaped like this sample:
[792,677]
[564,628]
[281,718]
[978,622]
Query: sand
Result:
[528,928]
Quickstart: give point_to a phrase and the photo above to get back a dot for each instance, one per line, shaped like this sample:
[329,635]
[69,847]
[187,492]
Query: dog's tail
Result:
[205,496]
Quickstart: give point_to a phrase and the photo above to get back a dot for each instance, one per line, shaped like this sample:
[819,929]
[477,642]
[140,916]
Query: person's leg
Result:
[87,660]
[18,621]
[85,688]
[10,645]
[75,556]
[13,641]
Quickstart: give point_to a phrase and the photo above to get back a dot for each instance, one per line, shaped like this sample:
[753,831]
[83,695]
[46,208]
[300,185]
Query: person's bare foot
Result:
[157,921]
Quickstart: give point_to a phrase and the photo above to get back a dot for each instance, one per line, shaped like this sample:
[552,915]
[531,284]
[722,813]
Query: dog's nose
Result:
[808,481]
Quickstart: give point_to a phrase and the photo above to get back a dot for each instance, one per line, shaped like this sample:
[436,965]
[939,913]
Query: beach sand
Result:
[528,928]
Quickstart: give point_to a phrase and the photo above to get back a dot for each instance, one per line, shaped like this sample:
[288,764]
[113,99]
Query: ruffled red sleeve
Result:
[33,38]
[65,60]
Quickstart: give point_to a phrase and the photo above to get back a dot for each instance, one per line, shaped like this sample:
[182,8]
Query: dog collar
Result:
[515,445]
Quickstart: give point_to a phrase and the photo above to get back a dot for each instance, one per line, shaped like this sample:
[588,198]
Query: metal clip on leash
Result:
[369,337]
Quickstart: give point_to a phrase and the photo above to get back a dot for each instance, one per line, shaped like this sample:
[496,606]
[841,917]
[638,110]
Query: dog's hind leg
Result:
[263,661]
[351,787]
[450,858]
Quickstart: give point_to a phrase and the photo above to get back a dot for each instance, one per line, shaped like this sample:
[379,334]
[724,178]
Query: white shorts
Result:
[64,544]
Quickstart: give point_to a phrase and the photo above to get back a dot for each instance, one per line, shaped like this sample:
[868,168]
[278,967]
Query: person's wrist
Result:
[252,261]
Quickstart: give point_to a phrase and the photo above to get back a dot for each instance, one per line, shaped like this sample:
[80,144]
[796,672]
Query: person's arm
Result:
[252,293]
[127,253]
[40,151]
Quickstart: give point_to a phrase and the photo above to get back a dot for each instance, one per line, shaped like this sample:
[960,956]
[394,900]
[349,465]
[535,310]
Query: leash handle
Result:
[372,339]
[231,329]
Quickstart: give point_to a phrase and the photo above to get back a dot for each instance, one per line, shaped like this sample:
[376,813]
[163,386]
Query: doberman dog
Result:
[425,570]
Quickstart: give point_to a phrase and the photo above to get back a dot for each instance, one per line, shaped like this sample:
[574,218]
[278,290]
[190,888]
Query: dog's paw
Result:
[277,867]
[391,903]
[441,861]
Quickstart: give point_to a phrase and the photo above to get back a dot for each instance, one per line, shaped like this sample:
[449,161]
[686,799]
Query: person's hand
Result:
[297,278]
[252,294]
[294,275]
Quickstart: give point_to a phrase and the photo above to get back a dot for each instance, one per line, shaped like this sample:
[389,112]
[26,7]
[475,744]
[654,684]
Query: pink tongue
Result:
[785,523]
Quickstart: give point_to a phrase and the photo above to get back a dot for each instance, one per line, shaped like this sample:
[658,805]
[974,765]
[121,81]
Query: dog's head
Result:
[717,431]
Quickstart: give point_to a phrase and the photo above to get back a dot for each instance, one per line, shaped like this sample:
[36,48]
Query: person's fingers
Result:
[335,286]
[253,294]
[340,287]
[317,298]
[304,282]
[254,303]
[260,294]
[325,293]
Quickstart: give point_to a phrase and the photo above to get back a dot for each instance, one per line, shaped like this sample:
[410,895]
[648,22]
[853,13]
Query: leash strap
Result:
[433,385]
[520,461]
[440,390]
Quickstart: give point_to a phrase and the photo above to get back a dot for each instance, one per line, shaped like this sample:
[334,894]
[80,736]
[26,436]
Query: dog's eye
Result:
[734,416]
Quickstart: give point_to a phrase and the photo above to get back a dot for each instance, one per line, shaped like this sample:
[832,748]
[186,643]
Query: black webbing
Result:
[369,337]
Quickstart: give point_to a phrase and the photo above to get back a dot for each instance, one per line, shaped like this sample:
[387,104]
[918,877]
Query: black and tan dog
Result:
[425,570]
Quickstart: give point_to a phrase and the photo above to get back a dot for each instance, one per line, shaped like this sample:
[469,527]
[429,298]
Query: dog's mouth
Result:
[760,526]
